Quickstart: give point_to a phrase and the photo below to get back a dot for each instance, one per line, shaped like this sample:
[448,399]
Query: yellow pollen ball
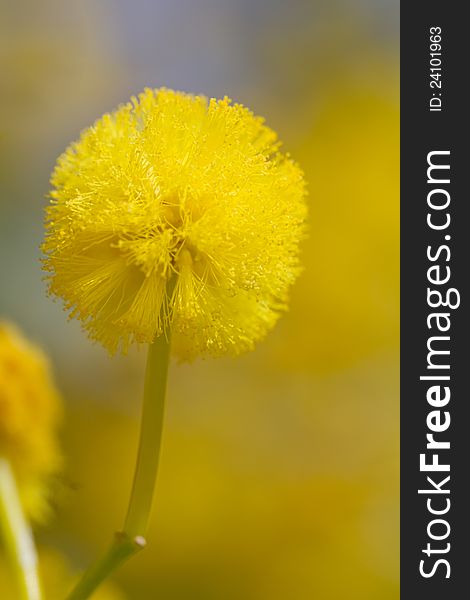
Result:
[30,410]
[175,211]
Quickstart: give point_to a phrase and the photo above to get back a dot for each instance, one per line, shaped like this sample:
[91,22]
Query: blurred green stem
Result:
[132,538]
[17,536]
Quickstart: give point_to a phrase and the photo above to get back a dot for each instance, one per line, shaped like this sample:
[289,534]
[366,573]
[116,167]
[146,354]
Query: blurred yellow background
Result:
[279,470]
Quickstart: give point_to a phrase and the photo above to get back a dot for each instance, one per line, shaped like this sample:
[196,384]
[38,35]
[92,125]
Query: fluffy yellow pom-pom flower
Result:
[175,211]
[30,410]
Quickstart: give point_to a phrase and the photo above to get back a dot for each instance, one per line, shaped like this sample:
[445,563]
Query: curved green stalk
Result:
[148,457]
[17,537]
[132,539]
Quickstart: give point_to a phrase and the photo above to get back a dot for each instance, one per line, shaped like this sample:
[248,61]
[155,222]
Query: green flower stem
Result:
[122,548]
[132,539]
[17,536]
[145,476]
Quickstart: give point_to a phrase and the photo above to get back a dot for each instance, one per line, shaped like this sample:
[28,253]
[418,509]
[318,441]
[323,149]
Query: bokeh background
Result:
[279,470]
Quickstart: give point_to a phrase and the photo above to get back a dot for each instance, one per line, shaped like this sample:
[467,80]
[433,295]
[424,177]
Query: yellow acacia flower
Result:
[173,187]
[30,410]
